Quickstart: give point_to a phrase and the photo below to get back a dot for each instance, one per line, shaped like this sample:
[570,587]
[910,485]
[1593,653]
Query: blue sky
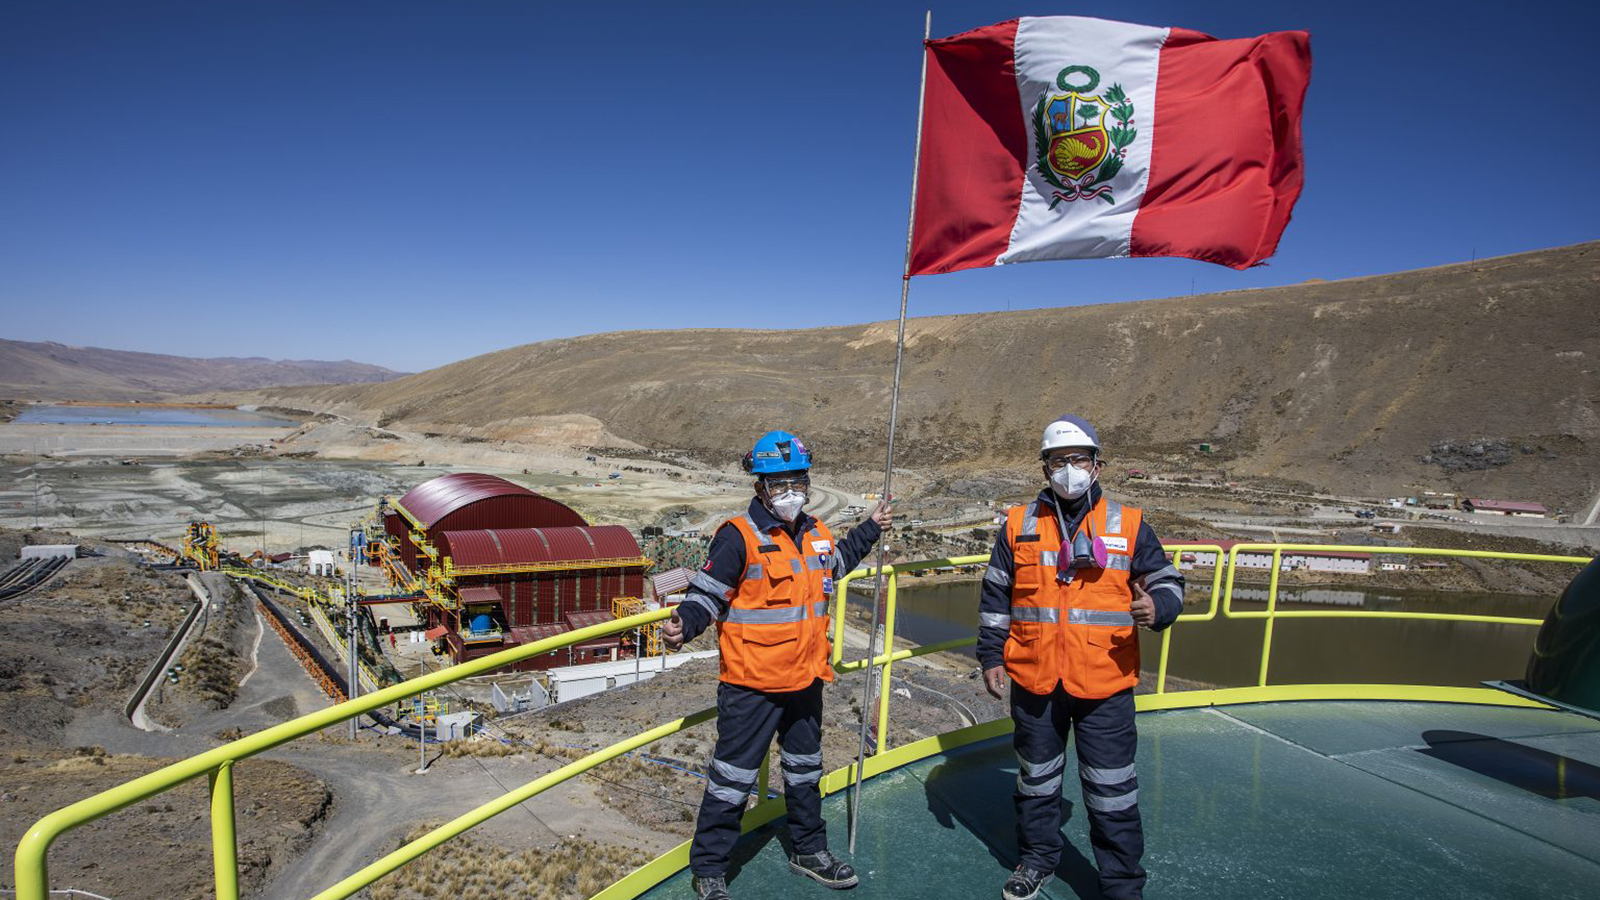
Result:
[414,183]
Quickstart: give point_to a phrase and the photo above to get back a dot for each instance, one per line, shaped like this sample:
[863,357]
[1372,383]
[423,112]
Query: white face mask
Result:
[1071,482]
[788,504]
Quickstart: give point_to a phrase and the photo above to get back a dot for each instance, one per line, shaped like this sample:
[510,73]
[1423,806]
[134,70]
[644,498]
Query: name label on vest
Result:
[1116,543]
[768,548]
[1027,539]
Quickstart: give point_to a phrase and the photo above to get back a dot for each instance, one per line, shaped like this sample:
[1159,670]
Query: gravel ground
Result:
[71,654]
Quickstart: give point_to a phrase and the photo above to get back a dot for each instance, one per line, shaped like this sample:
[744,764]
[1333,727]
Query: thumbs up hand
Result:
[1143,608]
[672,632]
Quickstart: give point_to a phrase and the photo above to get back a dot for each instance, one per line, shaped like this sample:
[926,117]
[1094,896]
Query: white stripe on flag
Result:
[1119,54]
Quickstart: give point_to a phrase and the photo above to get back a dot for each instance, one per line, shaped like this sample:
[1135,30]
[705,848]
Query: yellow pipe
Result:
[1272,608]
[766,776]
[888,663]
[1380,614]
[840,604]
[1410,551]
[224,846]
[1161,668]
[370,873]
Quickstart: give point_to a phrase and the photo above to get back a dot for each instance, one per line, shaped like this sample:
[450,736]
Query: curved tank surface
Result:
[1565,664]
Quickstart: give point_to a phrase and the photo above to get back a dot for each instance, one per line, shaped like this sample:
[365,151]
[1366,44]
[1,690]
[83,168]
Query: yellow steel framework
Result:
[427,708]
[650,635]
[200,544]
[217,764]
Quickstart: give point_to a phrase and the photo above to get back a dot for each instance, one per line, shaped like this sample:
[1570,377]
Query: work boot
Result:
[710,887]
[826,868]
[1024,884]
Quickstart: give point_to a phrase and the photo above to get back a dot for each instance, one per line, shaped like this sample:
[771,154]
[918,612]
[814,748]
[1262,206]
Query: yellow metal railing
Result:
[217,764]
[1271,614]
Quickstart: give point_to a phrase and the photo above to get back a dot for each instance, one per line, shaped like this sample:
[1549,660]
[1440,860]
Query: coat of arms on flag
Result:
[1073,146]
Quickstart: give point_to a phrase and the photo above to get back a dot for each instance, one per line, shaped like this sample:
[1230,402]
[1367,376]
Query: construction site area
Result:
[158,603]
[197,599]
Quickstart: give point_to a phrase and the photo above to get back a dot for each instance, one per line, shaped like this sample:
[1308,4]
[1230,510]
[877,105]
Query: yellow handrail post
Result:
[888,660]
[1227,594]
[1272,609]
[765,778]
[1166,636]
[1161,669]
[840,604]
[31,862]
[224,842]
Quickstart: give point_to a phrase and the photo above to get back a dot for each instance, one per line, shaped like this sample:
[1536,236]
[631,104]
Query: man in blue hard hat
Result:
[767,584]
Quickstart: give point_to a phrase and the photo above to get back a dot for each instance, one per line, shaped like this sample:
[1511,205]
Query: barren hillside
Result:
[1482,377]
[52,371]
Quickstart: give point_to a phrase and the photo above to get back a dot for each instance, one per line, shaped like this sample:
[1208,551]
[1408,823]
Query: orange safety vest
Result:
[775,635]
[1079,634]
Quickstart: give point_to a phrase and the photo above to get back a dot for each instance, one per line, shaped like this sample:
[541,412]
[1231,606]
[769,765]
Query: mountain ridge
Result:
[58,371]
[1370,384]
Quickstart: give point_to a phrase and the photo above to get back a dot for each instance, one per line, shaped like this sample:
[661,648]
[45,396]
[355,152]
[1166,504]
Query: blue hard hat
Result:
[777,451]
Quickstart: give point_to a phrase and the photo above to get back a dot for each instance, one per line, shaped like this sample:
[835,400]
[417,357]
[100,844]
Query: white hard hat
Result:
[1068,431]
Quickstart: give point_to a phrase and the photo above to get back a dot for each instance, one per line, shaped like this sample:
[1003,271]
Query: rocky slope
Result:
[1480,377]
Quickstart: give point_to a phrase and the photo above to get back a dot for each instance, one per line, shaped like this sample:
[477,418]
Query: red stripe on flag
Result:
[1226,164]
[974,152]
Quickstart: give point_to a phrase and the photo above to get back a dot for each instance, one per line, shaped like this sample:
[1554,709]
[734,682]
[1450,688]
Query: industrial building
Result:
[1311,561]
[494,565]
[1505,508]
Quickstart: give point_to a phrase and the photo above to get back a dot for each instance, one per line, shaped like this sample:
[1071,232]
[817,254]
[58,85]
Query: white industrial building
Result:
[320,562]
[1292,560]
[49,551]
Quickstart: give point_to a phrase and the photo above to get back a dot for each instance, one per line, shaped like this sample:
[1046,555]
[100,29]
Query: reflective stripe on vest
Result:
[1097,617]
[1030,519]
[1034,614]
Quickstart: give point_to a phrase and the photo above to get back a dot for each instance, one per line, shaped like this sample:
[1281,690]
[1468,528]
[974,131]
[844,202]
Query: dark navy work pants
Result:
[1106,741]
[746,722]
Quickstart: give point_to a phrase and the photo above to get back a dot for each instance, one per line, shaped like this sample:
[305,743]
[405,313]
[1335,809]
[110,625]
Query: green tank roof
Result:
[1565,664]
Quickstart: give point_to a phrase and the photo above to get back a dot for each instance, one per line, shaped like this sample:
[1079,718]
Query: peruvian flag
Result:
[1073,138]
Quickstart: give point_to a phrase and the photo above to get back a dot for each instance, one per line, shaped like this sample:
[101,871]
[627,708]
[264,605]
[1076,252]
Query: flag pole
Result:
[875,638]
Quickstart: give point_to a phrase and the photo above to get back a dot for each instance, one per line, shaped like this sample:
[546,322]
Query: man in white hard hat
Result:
[1070,577]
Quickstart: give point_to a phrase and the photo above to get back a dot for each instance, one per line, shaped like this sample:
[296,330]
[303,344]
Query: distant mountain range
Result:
[1480,377]
[52,371]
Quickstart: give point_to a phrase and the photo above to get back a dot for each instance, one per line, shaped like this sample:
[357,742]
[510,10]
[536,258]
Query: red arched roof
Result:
[434,499]
[513,546]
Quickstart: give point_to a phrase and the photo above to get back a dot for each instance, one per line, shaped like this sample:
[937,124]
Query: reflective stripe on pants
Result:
[747,719]
[1106,742]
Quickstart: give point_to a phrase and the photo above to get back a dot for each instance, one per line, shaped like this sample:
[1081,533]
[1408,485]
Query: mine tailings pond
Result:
[1227,653]
[190,416]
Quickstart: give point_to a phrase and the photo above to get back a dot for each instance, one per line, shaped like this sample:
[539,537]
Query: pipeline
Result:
[325,674]
[146,544]
[29,574]
[301,649]
[163,660]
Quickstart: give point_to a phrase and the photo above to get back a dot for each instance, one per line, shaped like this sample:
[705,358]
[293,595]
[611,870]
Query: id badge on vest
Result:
[827,580]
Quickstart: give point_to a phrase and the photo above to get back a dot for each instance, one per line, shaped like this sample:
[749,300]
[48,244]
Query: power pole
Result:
[351,609]
[35,482]
[422,722]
